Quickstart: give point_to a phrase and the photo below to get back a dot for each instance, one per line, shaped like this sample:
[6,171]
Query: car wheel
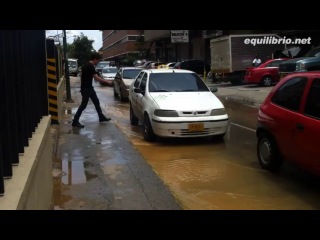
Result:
[268,153]
[133,119]
[266,81]
[115,94]
[120,95]
[148,133]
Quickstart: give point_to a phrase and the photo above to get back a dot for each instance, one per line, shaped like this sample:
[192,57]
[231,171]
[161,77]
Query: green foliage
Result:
[81,49]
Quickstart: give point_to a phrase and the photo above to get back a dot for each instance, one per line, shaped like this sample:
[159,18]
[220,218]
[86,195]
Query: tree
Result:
[141,45]
[81,49]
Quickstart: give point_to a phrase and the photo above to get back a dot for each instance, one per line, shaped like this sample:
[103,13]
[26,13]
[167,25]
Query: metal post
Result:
[66,67]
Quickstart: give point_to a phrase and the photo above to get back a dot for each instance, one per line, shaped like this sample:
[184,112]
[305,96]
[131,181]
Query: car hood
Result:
[294,60]
[109,74]
[186,101]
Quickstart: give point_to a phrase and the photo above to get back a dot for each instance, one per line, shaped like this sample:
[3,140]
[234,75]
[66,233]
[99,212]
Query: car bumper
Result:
[249,79]
[184,130]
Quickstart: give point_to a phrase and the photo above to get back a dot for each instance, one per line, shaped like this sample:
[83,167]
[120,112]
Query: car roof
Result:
[110,67]
[125,68]
[315,73]
[164,70]
[278,59]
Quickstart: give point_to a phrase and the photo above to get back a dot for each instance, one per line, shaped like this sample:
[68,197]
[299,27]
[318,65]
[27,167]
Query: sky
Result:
[95,35]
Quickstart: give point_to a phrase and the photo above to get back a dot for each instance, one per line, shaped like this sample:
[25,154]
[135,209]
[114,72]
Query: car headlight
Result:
[165,113]
[218,112]
[300,66]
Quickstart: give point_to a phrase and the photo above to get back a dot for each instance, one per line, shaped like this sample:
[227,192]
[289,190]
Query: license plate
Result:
[195,127]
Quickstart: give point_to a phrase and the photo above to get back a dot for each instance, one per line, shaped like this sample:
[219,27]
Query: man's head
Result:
[95,58]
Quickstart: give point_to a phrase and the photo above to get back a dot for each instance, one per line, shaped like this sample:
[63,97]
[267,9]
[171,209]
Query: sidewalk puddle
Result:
[72,170]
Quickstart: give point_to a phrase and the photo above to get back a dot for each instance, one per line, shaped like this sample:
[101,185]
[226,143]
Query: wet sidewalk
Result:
[97,168]
[251,94]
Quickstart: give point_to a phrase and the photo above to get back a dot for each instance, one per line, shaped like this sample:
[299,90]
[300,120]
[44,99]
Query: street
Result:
[208,174]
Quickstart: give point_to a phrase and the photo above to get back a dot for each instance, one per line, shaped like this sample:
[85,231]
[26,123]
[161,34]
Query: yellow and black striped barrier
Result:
[52,82]
[52,90]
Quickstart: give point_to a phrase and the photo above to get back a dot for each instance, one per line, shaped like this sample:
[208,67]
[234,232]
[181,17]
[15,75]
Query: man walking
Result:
[87,90]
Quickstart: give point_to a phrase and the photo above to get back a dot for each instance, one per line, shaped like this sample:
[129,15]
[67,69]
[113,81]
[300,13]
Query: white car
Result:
[175,103]
[108,73]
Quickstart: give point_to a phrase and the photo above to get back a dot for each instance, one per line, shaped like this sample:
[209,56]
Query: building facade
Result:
[125,46]
[122,46]
[197,47]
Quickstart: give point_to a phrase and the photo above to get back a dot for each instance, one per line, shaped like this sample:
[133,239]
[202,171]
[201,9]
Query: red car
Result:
[289,123]
[265,74]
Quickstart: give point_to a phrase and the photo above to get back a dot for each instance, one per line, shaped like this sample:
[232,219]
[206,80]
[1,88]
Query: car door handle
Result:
[300,126]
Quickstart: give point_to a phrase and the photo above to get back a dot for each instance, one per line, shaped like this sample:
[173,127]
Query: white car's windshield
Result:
[131,73]
[176,82]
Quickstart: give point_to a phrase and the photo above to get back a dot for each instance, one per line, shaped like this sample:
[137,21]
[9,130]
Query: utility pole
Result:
[66,67]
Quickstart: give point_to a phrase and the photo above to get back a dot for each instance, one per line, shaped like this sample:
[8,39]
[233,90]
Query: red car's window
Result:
[275,63]
[290,93]
[313,100]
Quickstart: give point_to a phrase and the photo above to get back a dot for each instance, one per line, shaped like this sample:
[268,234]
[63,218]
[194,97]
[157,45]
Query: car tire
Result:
[268,152]
[115,94]
[266,81]
[133,119]
[120,95]
[148,133]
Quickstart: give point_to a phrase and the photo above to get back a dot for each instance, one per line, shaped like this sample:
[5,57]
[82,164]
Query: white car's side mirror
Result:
[214,89]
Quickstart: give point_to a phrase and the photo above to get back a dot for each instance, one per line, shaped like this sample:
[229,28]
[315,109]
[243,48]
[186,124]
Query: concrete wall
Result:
[31,186]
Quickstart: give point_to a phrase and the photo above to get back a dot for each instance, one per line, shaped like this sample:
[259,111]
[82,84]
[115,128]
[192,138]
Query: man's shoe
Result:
[104,119]
[77,124]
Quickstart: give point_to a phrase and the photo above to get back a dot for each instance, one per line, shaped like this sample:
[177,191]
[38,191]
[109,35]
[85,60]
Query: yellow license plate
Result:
[195,127]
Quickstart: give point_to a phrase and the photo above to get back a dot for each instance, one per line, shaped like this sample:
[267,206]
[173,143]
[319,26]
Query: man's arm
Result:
[96,77]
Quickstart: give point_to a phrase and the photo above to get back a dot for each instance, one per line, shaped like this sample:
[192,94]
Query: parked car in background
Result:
[156,65]
[310,62]
[194,65]
[167,65]
[101,65]
[146,65]
[265,74]
[289,123]
[171,64]
[108,73]
[138,63]
[73,66]
[122,80]
[175,103]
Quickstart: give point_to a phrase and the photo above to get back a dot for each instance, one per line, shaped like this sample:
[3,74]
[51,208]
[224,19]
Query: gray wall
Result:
[151,35]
